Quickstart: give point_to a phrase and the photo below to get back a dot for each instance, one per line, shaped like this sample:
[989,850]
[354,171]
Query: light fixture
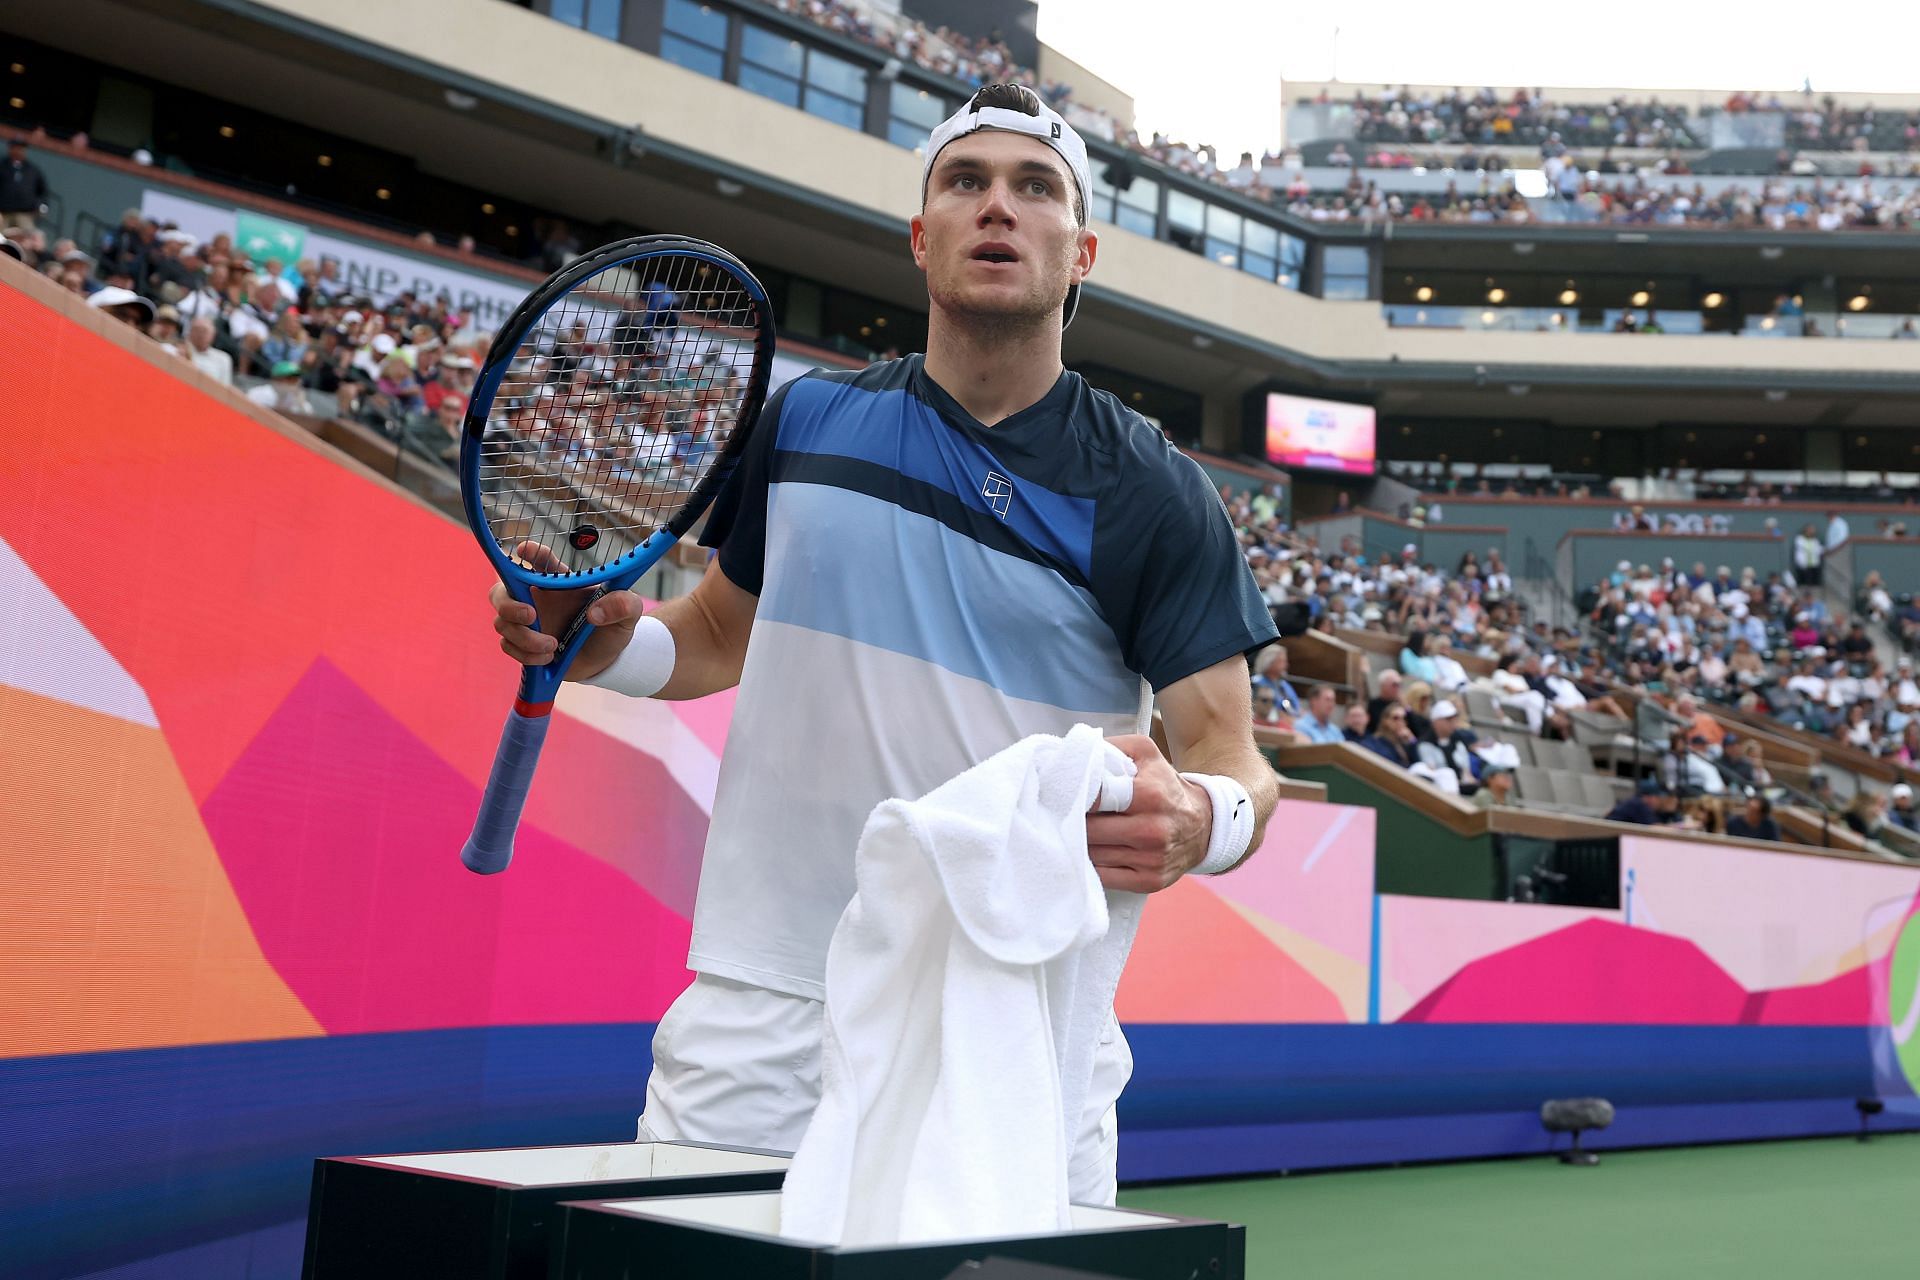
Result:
[1487,317]
[879,322]
[324,161]
[1766,322]
[728,187]
[226,131]
[487,208]
[1420,317]
[1139,396]
[1761,438]
[1713,300]
[866,330]
[19,68]
[1858,302]
[460,101]
[383,194]
[1423,294]
[1639,298]
[1496,295]
[512,230]
[1569,296]
[18,104]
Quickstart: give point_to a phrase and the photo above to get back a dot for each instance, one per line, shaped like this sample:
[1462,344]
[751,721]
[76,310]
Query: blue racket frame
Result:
[490,848]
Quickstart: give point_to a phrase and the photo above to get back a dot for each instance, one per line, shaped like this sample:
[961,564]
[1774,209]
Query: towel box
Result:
[489,1214]
[737,1234]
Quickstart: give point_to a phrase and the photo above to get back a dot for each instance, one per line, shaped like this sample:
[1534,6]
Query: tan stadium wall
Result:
[536,56]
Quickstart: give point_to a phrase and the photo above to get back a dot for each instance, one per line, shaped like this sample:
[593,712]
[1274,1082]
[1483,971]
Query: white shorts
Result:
[740,1065]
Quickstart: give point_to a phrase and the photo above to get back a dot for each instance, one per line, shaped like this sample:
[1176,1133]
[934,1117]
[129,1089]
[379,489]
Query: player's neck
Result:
[992,373]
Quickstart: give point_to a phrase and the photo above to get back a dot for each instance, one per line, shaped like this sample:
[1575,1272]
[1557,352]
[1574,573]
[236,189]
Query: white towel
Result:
[967,986]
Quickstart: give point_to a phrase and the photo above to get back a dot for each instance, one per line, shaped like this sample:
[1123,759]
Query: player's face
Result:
[998,237]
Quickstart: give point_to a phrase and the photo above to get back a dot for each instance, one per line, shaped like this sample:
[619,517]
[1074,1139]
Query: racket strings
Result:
[613,407]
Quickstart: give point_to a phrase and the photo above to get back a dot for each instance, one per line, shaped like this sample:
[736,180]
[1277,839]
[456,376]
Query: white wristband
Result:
[643,668]
[1232,822]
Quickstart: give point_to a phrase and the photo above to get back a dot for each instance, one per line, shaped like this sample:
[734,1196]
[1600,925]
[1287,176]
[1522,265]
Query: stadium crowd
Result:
[282,330]
[1683,641]
[1775,204]
[1525,117]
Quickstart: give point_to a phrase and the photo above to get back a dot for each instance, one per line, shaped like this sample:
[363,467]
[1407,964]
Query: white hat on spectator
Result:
[352,317]
[1625,566]
[114,296]
[1900,791]
[1443,710]
[383,344]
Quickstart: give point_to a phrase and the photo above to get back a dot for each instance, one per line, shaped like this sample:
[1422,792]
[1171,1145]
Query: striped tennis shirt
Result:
[932,590]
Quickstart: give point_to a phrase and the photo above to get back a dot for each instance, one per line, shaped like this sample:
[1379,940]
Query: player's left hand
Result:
[1161,836]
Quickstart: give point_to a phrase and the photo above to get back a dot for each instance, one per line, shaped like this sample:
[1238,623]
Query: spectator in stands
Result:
[288,342]
[1866,814]
[23,188]
[1749,764]
[1449,675]
[283,393]
[1900,810]
[1390,738]
[1513,689]
[122,304]
[165,328]
[1387,692]
[1496,787]
[1272,664]
[1651,805]
[1414,661]
[1353,727]
[1702,729]
[1755,820]
[1417,698]
[1808,555]
[1266,710]
[398,386]
[1318,724]
[206,357]
[1456,744]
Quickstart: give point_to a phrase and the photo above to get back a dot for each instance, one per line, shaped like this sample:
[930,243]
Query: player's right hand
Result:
[612,616]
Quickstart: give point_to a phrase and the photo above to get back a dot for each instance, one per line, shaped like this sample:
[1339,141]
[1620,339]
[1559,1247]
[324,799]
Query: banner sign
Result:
[363,269]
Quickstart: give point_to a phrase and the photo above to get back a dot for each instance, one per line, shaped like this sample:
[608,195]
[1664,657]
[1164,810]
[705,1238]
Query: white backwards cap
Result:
[1048,126]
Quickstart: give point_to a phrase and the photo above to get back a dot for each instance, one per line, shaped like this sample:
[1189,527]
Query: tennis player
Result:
[919,564]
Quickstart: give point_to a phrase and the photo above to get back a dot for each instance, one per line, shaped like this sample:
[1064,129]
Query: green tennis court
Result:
[1830,1206]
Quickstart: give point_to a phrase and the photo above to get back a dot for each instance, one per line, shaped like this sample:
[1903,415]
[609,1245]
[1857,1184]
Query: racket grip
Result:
[490,848]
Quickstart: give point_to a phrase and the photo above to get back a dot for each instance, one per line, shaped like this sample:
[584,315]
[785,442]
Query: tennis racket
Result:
[612,407]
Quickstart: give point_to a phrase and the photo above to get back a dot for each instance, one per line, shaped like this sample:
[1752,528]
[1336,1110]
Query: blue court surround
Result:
[108,1159]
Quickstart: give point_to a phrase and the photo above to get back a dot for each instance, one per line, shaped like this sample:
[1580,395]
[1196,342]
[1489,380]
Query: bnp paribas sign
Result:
[358,267]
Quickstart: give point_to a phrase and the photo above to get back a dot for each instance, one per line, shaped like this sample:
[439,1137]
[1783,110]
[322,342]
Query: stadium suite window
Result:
[1346,273]
[695,37]
[786,70]
[1136,209]
[602,17]
[912,114]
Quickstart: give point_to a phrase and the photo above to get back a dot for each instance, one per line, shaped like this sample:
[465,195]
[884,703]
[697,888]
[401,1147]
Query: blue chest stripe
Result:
[897,430]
